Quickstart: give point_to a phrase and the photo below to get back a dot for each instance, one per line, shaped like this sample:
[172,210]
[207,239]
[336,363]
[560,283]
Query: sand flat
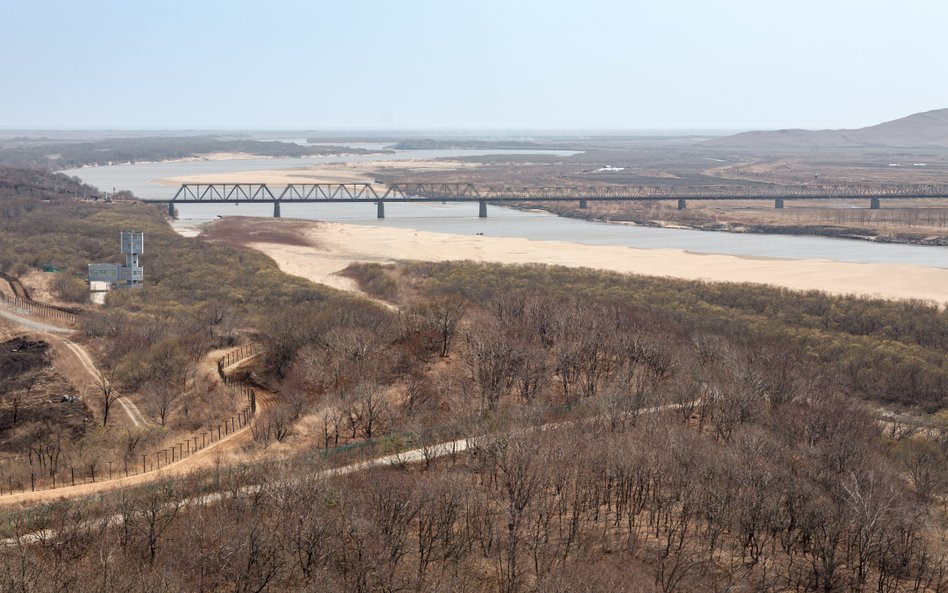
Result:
[330,247]
[274,177]
[348,172]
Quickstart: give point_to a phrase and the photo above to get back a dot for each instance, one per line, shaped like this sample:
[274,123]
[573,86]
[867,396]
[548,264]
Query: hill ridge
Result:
[927,129]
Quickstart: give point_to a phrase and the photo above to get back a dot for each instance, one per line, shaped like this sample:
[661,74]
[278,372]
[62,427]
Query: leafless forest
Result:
[620,433]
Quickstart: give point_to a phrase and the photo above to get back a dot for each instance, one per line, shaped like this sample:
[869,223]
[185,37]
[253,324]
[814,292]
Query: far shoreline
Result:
[751,229]
[362,171]
[318,251]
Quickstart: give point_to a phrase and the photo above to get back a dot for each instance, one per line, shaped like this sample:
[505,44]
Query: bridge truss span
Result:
[470,192]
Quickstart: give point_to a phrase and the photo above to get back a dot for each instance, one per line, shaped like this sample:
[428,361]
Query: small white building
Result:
[117,275]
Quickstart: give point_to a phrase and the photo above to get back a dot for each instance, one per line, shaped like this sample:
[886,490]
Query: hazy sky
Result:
[655,64]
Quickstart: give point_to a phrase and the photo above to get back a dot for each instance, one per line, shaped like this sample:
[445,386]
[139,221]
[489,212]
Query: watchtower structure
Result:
[119,276]
[133,245]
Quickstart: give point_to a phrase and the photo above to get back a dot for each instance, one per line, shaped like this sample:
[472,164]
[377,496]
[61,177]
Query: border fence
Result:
[29,307]
[55,475]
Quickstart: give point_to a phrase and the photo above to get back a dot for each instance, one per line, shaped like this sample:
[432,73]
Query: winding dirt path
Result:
[57,333]
[221,452]
[128,406]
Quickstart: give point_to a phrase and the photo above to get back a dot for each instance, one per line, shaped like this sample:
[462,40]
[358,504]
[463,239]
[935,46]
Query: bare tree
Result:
[105,381]
[23,393]
[162,400]
[152,515]
[532,374]
[492,359]
[446,315]
[372,408]
[418,393]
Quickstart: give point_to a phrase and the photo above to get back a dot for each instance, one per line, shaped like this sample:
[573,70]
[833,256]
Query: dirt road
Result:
[128,406]
[132,413]
[33,324]
[223,451]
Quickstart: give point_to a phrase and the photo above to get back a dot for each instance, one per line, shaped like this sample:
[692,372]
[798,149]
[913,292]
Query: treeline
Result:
[886,351]
[67,155]
[26,189]
[796,498]
[429,144]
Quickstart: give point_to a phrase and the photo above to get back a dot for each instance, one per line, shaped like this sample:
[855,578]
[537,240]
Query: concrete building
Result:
[117,275]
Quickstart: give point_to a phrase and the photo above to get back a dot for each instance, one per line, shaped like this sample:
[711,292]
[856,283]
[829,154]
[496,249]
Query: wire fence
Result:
[234,356]
[29,307]
[49,475]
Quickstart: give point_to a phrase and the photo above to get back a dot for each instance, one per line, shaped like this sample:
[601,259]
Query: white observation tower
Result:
[117,275]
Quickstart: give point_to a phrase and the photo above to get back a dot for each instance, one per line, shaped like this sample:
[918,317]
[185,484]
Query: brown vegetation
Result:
[626,433]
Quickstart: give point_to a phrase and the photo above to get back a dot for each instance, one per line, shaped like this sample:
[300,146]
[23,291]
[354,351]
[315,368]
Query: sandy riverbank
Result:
[321,249]
[351,172]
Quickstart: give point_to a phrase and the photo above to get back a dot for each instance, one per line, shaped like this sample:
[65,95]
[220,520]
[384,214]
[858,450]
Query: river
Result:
[461,218]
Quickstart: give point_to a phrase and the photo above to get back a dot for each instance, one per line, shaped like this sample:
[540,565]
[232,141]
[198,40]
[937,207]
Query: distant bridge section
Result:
[238,193]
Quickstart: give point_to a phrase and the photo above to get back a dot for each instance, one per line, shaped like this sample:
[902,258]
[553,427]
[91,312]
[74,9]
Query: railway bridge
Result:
[379,194]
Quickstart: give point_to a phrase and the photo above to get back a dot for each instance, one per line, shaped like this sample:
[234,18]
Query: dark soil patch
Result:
[34,399]
[21,355]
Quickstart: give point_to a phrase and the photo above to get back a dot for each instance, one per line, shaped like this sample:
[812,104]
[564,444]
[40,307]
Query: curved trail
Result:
[206,457]
[131,410]
[34,325]
[56,332]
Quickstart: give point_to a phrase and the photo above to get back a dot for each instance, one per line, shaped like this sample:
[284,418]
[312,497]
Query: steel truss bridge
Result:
[241,193]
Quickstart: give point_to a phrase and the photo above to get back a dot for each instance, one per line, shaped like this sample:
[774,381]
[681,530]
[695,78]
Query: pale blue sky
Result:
[501,64]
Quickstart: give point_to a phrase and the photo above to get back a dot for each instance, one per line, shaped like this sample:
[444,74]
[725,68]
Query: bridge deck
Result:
[468,192]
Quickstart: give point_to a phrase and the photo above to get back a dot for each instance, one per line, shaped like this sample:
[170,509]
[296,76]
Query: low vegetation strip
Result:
[884,351]
[66,155]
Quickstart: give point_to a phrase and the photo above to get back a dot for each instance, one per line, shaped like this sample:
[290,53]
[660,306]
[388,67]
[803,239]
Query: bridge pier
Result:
[682,204]
[778,203]
[380,212]
[482,210]
[874,203]
[276,210]
[171,210]
[582,204]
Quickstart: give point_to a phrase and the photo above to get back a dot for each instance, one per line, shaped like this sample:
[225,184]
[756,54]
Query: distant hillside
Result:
[927,130]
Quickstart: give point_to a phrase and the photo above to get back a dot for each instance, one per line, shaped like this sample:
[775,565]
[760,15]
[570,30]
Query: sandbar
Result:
[322,249]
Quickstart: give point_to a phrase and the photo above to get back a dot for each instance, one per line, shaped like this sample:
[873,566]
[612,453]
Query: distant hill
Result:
[924,130]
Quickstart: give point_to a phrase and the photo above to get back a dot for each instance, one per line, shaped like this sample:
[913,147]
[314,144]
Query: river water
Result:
[461,218]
